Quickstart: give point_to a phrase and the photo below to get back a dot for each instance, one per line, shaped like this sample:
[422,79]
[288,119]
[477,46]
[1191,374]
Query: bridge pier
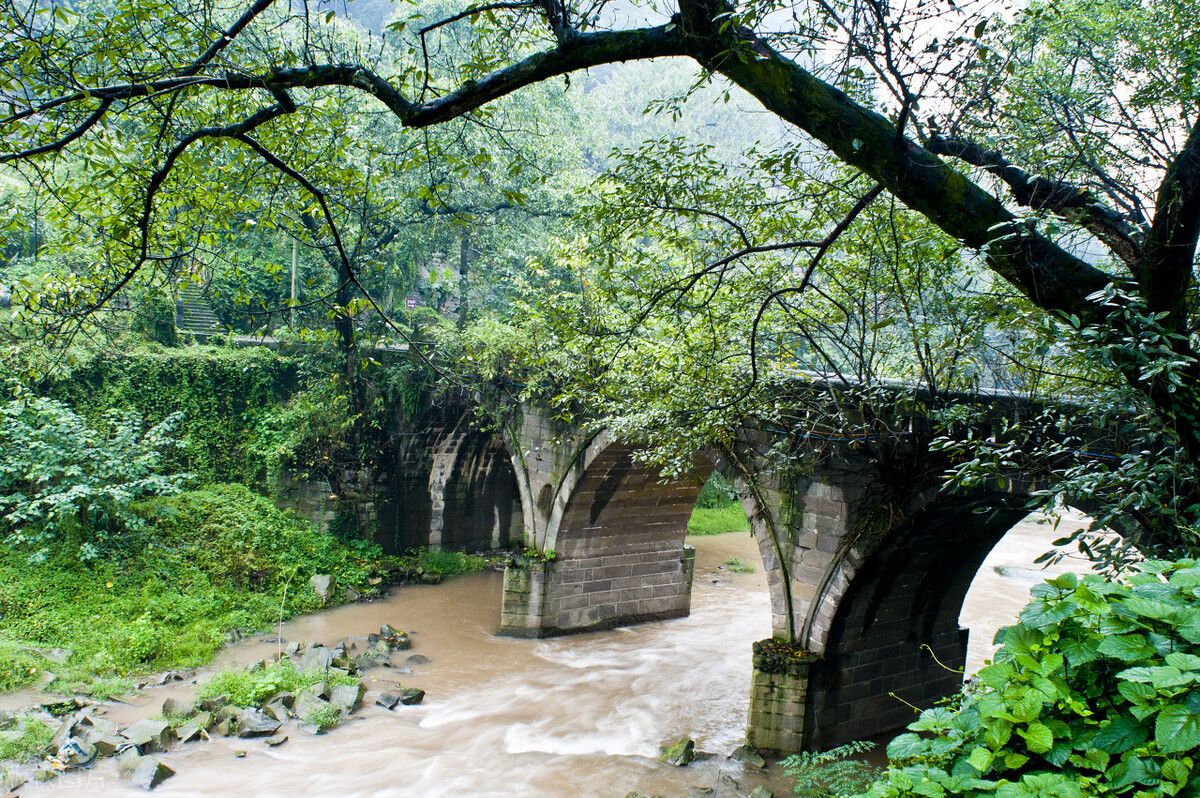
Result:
[544,597]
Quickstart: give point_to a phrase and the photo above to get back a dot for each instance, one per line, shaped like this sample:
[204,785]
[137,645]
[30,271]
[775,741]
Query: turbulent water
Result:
[572,716]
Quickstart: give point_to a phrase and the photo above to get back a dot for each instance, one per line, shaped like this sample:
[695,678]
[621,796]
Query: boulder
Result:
[748,756]
[45,771]
[387,700]
[278,739]
[287,699]
[418,659]
[395,639]
[177,708]
[150,735]
[316,690]
[149,773]
[347,697]
[316,657]
[308,704]
[107,744]
[679,753]
[277,710]
[213,704]
[256,723]
[411,695]
[322,585]
[77,752]
[761,792]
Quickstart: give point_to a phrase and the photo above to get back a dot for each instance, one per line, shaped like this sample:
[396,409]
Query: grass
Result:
[450,563]
[206,562]
[24,737]
[718,520]
[739,567]
[252,688]
[323,718]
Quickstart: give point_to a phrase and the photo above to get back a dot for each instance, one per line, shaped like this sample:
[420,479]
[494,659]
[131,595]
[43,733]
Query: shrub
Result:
[62,478]
[717,492]
[154,318]
[450,563]
[252,688]
[323,718]
[1096,691]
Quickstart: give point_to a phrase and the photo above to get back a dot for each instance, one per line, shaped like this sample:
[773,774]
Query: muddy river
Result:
[574,716]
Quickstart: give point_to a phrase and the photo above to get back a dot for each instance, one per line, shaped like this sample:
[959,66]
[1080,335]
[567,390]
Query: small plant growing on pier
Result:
[739,567]
[831,774]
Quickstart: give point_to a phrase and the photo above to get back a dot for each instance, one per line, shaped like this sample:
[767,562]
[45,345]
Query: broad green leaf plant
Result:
[1095,691]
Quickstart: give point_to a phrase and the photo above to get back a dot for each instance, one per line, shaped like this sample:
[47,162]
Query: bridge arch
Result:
[890,636]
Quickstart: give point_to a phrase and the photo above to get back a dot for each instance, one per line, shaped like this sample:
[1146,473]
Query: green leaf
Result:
[1038,737]
[1176,729]
[1119,734]
[1128,648]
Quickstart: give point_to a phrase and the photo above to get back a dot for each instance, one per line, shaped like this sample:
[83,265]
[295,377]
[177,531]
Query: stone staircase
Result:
[193,313]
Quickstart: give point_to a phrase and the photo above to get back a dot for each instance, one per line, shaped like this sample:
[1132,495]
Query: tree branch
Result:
[1066,200]
[1167,270]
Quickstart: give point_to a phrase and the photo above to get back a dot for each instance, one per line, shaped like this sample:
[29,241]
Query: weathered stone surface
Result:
[276,740]
[748,756]
[256,723]
[316,658]
[411,695]
[277,710]
[107,744]
[322,585]
[308,704]
[387,700]
[679,753]
[347,697]
[761,792]
[418,659]
[149,773]
[178,708]
[150,735]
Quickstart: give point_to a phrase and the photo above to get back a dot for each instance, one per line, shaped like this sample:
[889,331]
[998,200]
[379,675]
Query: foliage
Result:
[24,737]
[1094,692]
[323,718]
[154,318]
[20,666]
[253,687]
[449,563]
[202,563]
[739,567]
[220,393]
[716,492]
[64,480]
[718,520]
[836,773]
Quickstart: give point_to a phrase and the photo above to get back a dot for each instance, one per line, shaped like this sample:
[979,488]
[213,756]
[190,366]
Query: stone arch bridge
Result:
[867,574]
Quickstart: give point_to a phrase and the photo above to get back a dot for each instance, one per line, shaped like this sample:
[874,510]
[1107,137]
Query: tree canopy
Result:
[963,195]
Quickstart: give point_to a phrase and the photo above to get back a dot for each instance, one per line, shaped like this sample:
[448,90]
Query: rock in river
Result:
[255,723]
[680,753]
